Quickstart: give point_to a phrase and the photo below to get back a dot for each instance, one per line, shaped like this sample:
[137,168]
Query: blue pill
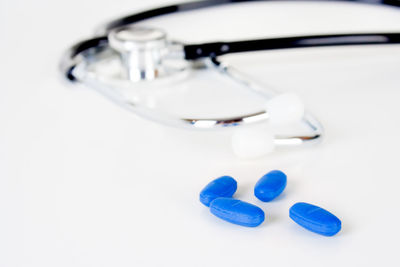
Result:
[237,211]
[224,186]
[315,219]
[270,186]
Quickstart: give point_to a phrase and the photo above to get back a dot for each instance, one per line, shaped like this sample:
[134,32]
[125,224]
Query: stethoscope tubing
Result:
[214,49]
[83,52]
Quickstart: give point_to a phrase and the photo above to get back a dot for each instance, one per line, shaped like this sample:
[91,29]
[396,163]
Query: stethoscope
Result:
[142,55]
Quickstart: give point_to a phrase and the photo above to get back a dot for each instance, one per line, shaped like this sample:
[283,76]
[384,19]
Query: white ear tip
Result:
[252,142]
[285,108]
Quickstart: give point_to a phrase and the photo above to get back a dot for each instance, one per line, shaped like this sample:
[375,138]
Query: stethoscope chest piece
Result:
[145,53]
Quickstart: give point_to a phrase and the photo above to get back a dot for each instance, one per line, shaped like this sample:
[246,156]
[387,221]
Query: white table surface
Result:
[86,183]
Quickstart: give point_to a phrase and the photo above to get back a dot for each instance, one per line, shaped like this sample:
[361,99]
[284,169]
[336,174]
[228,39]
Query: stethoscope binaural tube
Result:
[190,6]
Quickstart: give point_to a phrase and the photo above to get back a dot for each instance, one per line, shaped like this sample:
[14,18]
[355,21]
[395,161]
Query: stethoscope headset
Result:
[146,55]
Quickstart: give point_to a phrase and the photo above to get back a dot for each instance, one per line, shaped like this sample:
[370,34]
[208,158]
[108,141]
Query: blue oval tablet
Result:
[315,219]
[224,186]
[237,211]
[270,186]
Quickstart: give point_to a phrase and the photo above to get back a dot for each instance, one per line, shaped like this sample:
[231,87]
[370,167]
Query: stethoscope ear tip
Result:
[258,140]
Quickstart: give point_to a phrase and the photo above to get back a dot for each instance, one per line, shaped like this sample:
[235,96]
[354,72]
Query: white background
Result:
[86,183]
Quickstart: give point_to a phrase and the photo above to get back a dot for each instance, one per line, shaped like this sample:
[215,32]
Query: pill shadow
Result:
[279,198]
[345,230]
[296,229]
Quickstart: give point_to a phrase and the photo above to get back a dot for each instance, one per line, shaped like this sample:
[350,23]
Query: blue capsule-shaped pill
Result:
[315,219]
[237,211]
[270,186]
[224,186]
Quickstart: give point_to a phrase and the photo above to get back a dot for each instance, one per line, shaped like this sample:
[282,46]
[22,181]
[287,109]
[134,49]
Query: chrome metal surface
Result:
[146,55]
[315,127]
[141,50]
